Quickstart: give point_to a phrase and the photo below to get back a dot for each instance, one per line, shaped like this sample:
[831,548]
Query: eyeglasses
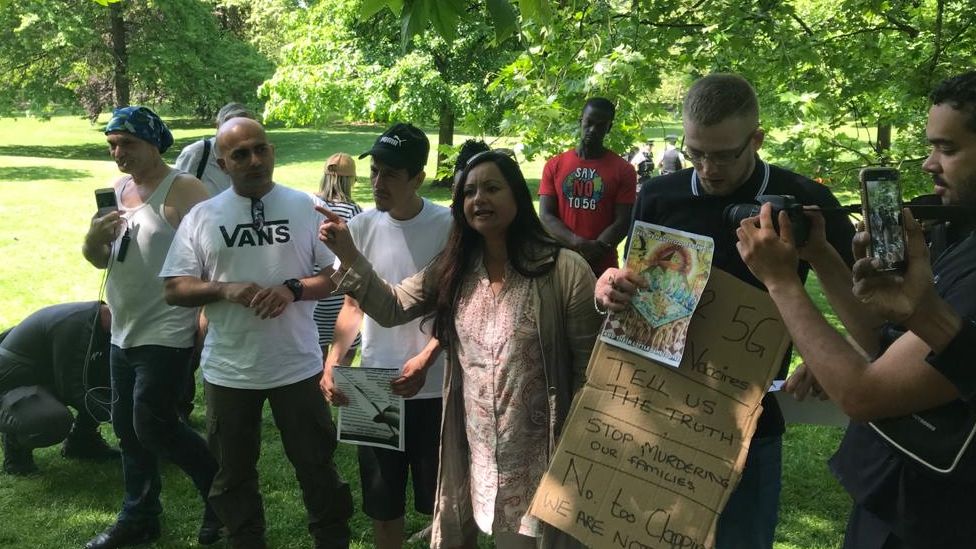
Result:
[257,213]
[717,158]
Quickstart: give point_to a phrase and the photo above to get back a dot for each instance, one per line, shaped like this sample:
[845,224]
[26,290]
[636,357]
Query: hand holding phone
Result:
[105,201]
[881,208]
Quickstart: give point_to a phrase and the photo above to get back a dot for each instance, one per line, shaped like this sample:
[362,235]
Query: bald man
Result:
[248,256]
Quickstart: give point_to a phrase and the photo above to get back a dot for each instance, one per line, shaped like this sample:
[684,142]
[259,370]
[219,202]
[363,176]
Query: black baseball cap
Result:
[402,146]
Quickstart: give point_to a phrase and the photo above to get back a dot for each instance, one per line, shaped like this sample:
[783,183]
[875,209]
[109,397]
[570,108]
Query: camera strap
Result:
[762,185]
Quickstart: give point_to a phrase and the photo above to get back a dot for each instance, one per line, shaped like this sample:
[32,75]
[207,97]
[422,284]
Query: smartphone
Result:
[881,207]
[105,200]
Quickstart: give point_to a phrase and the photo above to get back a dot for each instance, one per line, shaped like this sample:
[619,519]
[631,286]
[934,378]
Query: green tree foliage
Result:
[61,53]
[842,82]
[338,66]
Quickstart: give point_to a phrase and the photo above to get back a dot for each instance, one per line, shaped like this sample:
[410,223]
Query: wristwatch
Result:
[296,287]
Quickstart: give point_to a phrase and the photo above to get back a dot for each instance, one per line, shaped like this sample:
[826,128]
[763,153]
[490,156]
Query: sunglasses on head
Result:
[507,152]
[257,213]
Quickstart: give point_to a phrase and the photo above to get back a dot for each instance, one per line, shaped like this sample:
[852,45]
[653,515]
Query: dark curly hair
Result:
[468,149]
[527,242]
[601,104]
[959,92]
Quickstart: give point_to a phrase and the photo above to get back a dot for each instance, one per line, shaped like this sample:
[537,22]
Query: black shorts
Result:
[384,472]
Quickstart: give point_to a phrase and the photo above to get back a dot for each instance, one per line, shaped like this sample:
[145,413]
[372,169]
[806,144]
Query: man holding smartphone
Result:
[151,340]
[720,116]
[922,358]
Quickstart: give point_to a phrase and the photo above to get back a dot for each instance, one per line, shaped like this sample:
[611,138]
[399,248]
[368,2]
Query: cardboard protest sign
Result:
[649,453]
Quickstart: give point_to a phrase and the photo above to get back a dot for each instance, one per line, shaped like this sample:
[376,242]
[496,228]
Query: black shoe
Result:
[91,447]
[125,534]
[211,530]
[17,460]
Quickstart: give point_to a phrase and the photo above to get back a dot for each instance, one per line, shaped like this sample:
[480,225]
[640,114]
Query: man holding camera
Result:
[720,116]
[922,357]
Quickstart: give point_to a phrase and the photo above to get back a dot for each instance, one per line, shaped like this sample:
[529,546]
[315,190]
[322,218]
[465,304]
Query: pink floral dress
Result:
[505,403]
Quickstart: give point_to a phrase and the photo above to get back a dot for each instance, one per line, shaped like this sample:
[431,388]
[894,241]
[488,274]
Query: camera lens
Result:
[735,213]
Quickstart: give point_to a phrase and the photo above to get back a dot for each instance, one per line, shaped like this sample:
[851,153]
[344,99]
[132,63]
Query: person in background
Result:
[671,159]
[469,148]
[335,190]
[587,193]
[643,162]
[200,157]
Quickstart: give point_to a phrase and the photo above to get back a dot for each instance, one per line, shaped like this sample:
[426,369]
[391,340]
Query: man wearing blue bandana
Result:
[151,341]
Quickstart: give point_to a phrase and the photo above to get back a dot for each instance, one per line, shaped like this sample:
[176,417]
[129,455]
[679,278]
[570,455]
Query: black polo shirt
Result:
[678,201]
[920,507]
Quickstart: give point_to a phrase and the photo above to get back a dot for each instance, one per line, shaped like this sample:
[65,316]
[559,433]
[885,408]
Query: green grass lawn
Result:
[48,170]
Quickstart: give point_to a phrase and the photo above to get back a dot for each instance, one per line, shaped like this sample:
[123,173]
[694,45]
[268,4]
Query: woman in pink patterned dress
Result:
[514,309]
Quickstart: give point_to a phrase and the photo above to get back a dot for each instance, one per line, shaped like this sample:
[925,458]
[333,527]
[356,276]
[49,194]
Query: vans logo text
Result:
[273,232]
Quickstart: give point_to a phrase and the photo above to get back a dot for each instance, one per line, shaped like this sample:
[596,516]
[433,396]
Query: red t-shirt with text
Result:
[587,192]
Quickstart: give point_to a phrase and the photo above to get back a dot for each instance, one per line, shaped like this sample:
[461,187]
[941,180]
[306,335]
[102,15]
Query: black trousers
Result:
[36,417]
[303,418]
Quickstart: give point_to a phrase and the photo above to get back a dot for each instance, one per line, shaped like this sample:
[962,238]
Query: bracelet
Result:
[596,305]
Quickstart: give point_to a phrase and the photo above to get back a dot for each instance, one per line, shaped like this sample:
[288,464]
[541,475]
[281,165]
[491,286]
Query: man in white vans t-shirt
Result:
[248,255]
[399,237]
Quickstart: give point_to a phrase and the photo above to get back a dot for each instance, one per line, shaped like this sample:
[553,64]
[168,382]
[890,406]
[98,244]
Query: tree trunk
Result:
[120,55]
[445,136]
[883,145]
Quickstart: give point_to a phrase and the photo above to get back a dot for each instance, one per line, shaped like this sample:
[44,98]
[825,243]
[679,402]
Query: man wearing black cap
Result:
[399,237]
[151,340]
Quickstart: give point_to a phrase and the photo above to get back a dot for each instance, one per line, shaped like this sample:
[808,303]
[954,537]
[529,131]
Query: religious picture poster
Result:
[374,415]
[676,266]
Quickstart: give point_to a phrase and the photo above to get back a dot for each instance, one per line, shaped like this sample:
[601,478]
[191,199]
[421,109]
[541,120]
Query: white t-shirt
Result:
[399,249]
[217,241]
[213,178]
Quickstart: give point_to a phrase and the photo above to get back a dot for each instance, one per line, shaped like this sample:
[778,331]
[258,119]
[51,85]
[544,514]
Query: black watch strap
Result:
[296,287]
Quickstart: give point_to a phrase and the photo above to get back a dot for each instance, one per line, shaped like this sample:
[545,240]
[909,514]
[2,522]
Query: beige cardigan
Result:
[568,326]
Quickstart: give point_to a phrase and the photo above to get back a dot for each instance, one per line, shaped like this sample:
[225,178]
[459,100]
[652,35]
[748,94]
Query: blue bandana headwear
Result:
[142,123]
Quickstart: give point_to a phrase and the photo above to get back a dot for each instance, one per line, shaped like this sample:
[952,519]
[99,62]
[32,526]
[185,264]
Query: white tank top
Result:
[134,290]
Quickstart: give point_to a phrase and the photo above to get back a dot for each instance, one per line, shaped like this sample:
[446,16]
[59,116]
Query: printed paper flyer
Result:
[374,415]
[676,266]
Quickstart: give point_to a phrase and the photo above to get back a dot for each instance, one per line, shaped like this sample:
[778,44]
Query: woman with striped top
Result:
[335,191]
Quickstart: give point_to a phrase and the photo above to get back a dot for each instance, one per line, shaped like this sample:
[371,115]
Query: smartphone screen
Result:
[881,207]
[105,201]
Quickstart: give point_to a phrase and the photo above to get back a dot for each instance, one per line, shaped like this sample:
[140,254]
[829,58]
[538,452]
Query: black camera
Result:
[735,213]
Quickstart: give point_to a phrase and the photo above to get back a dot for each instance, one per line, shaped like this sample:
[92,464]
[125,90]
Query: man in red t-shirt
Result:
[587,193]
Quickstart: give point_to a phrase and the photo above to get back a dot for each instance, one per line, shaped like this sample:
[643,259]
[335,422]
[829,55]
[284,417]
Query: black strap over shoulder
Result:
[202,166]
